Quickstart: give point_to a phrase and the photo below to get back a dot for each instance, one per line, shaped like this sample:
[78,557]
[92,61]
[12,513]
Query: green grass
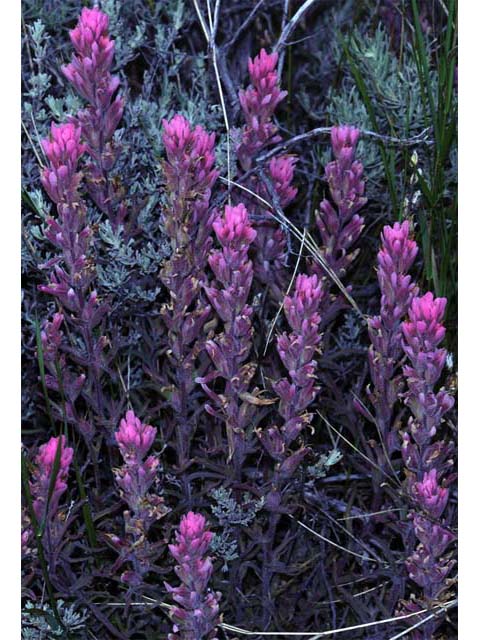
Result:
[439,220]
[435,62]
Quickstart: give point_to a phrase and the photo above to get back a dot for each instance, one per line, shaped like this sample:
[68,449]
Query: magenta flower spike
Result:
[72,273]
[190,148]
[134,480]
[134,438]
[50,517]
[63,150]
[427,461]
[297,353]
[422,334]
[89,73]
[189,174]
[136,476]
[42,477]
[398,251]
[395,258]
[259,102]
[281,171]
[196,613]
[61,177]
[229,350]
[301,309]
[231,266]
[344,142]
[234,231]
[68,232]
[189,169]
[340,226]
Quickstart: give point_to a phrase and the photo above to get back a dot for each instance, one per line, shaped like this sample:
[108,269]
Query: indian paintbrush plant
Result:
[72,274]
[427,459]
[259,103]
[48,484]
[196,612]
[135,480]
[296,393]
[214,322]
[339,224]
[90,74]
[189,177]
[229,351]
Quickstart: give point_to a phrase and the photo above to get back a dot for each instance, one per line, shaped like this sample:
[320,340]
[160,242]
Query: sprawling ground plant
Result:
[238,407]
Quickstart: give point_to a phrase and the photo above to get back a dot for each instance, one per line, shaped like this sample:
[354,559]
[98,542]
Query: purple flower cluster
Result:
[427,465]
[189,177]
[229,350]
[281,170]
[258,103]
[71,275]
[185,338]
[427,461]
[297,392]
[89,73]
[45,462]
[63,150]
[196,613]
[340,226]
[69,231]
[134,481]
[397,290]
[48,484]
[189,172]
[422,335]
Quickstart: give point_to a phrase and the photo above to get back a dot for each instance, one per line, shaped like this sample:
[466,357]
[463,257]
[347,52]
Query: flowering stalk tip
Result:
[89,73]
[134,481]
[196,613]
[340,226]
[45,467]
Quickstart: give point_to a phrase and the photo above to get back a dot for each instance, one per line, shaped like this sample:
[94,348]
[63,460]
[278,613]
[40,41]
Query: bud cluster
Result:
[189,177]
[297,392]
[71,276]
[228,295]
[397,290]
[196,613]
[258,103]
[89,73]
[134,480]
[339,224]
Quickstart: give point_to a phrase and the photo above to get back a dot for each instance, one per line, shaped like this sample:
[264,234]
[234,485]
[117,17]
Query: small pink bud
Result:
[134,438]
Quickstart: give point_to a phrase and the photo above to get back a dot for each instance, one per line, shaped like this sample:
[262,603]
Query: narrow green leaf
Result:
[87,514]
[41,366]
[38,539]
